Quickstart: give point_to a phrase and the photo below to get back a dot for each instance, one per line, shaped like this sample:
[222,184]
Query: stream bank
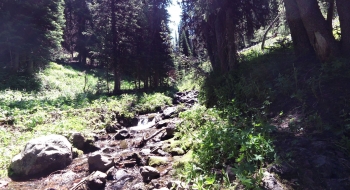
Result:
[134,153]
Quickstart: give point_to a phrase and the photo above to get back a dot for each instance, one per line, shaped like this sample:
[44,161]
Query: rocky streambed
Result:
[134,154]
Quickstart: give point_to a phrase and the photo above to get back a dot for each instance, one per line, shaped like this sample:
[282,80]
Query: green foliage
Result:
[226,137]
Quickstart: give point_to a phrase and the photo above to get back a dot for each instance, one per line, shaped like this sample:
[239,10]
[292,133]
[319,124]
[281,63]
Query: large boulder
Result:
[42,156]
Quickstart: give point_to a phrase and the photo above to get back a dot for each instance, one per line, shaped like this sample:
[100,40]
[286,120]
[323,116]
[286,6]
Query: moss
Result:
[77,153]
[157,160]
[180,162]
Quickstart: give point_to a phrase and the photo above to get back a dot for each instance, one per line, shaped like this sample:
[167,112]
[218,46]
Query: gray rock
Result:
[97,180]
[270,182]
[122,134]
[3,184]
[118,174]
[100,162]
[169,111]
[139,186]
[145,152]
[163,123]
[78,140]
[42,156]
[169,132]
[148,173]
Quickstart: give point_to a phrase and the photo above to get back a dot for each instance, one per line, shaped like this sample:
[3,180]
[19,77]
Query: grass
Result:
[60,105]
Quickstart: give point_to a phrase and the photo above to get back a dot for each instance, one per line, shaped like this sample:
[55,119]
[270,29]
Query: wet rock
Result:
[108,150]
[99,162]
[163,123]
[137,158]
[113,127]
[42,155]
[65,178]
[154,116]
[189,97]
[122,134]
[169,112]
[169,132]
[117,174]
[157,160]
[148,173]
[270,182]
[97,180]
[78,140]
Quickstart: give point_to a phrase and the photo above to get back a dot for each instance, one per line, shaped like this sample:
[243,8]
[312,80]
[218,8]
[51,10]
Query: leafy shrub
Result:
[227,138]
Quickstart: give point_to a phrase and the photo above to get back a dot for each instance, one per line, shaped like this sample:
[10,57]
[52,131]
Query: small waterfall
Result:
[144,122]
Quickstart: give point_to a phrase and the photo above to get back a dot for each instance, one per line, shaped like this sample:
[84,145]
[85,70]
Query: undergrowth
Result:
[269,87]
[223,138]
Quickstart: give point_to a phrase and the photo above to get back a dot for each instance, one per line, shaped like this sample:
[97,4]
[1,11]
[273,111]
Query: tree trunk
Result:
[330,13]
[220,40]
[298,32]
[117,78]
[320,37]
[231,40]
[30,66]
[116,67]
[343,7]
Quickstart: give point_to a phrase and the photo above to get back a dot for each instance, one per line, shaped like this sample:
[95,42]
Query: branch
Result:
[268,29]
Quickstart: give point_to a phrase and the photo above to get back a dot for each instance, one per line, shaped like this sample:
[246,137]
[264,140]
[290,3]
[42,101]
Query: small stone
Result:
[99,162]
[3,184]
[148,173]
[78,140]
[145,152]
[270,182]
[169,112]
[97,180]
[122,134]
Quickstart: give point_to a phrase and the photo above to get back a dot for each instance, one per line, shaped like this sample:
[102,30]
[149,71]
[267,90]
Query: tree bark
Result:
[330,13]
[30,66]
[320,37]
[231,39]
[298,32]
[220,40]
[115,64]
[343,7]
